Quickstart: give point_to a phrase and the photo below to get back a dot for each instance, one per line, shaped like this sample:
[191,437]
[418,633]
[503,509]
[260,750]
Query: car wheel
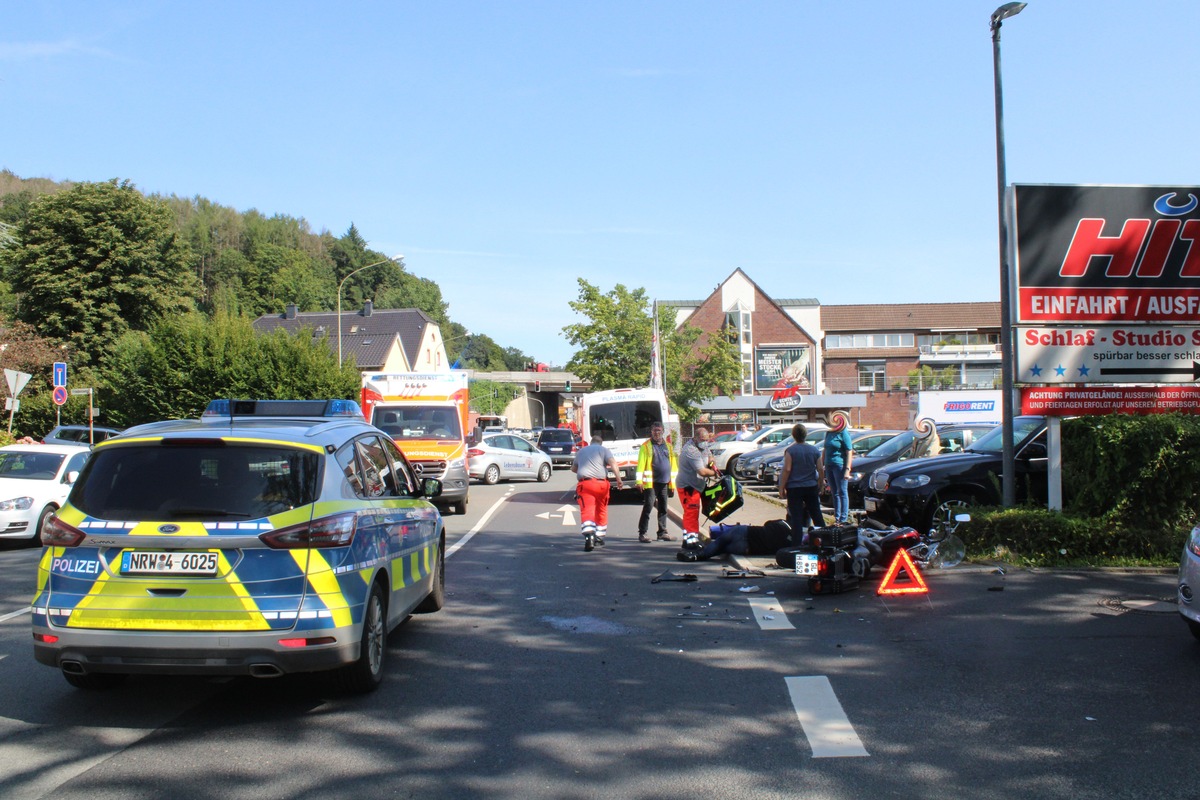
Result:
[941,519]
[544,473]
[366,673]
[1194,627]
[437,595]
[37,530]
[731,466]
[96,681]
[491,475]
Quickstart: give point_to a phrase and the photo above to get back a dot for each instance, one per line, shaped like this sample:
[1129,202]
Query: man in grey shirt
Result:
[591,467]
[695,464]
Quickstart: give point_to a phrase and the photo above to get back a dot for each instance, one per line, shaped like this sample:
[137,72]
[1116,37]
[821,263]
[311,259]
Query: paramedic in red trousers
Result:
[591,467]
[695,464]
[656,470]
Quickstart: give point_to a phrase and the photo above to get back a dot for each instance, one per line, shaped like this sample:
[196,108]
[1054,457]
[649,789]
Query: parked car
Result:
[928,492]
[771,464]
[79,435]
[267,537]
[1189,582]
[725,454]
[34,482]
[901,447]
[501,457]
[559,444]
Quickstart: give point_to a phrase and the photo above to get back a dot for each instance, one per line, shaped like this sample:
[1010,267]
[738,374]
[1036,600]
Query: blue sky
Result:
[838,150]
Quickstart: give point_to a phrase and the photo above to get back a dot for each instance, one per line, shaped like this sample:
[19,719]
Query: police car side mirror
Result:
[431,487]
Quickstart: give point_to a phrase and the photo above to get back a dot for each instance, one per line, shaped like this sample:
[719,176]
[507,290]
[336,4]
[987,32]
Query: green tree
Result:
[483,354]
[96,261]
[614,345]
[714,368]
[491,397]
[174,369]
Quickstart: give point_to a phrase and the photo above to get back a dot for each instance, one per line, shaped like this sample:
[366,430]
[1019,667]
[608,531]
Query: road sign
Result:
[60,373]
[16,381]
[78,392]
[60,395]
[1108,354]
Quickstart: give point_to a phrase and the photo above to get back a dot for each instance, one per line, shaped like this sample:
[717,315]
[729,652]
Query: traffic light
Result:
[537,386]
[568,387]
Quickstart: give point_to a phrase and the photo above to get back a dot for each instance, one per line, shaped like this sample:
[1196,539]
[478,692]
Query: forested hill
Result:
[251,264]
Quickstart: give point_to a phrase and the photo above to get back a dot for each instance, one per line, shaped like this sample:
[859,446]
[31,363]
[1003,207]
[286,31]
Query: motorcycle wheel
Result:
[947,553]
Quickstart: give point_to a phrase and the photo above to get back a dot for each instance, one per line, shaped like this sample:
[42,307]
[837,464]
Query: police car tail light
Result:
[56,533]
[335,531]
[319,640]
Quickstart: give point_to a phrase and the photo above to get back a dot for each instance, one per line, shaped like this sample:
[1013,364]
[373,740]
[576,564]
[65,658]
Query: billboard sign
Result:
[966,406]
[1070,401]
[1106,254]
[1108,354]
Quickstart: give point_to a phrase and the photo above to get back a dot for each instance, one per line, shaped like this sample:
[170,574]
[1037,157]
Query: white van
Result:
[623,418]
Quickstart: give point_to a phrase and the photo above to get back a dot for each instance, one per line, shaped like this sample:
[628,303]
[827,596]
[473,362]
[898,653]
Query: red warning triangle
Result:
[892,584]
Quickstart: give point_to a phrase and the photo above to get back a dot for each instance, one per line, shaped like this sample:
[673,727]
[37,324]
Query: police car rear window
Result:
[196,482]
[556,435]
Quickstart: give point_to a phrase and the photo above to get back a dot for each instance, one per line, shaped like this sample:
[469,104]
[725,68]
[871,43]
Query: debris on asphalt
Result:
[671,576]
[748,589]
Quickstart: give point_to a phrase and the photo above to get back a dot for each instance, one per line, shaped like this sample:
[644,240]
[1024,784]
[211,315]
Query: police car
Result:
[268,537]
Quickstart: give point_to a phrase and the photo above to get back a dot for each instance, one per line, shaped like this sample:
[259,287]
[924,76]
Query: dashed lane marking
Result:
[826,726]
[768,613]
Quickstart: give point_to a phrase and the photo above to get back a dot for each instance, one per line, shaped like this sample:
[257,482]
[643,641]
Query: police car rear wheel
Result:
[437,595]
[365,674]
[544,473]
[95,680]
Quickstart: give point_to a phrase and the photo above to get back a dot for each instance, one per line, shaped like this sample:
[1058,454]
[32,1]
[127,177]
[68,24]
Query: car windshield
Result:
[892,446]
[417,422]
[993,440]
[30,466]
[196,481]
[624,420]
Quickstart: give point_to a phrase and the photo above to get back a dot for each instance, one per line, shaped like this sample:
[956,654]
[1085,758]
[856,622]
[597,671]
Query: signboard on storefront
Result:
[783,368]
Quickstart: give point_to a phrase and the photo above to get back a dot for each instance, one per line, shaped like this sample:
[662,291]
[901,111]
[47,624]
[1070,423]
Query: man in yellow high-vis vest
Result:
[656,470]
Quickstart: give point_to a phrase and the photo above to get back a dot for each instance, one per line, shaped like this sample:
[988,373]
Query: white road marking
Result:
[567,514]
[828,730]
[769,614]
[452,549]
[12,614]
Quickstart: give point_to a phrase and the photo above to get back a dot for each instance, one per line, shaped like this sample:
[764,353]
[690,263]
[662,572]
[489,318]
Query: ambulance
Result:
[425,413]
[622,418]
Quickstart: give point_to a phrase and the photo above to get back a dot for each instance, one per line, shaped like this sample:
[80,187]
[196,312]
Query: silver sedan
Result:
[503,456]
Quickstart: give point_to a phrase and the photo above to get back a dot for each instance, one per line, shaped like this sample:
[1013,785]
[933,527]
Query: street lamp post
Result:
[1009,469]
[392,260]
[540,403]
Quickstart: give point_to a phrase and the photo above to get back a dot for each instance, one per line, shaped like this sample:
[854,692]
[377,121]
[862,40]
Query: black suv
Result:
[953,439]
[928,492]
[559,444]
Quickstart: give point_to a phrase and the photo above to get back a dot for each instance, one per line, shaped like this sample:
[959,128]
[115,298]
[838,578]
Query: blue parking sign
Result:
[60,373]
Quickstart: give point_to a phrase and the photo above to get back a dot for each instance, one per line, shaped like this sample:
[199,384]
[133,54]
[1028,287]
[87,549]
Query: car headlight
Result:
[1193,542]
[16,504]
[910,481]
[856,476]
[718,451]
